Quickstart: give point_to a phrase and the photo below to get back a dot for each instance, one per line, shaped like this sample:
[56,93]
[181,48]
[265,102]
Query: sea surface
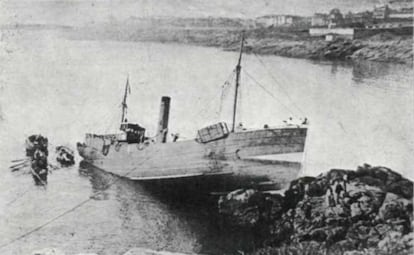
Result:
[358,113]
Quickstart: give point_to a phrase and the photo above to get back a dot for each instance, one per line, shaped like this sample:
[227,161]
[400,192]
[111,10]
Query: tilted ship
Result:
[218,152]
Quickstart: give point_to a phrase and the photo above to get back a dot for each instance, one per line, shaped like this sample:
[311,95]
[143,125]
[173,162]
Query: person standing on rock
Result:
[345,181]
[306,195]
[330,198]
[338,190]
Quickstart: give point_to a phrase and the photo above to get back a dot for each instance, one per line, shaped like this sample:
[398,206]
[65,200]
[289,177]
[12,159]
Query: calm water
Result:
[358,113]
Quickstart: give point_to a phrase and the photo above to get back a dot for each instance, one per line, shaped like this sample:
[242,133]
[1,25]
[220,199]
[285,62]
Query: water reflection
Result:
[172,216]
[363,70]
[372,73]
[99,182]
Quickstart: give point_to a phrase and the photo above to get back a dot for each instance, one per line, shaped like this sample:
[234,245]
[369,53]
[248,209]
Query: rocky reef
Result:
[366,211]
[396,51]
[392,51]
[295,43]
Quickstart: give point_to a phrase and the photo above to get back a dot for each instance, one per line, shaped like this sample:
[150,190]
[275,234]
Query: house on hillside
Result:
[400,4]
[381,13]
[320,20]
[335,18]
[359,19]
[280,20]
[404,14]
[332,33]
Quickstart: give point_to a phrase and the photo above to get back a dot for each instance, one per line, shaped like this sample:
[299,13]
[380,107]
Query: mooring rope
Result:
[18,197]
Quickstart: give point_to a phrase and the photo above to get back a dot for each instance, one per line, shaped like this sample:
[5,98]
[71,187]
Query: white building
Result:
[278,20]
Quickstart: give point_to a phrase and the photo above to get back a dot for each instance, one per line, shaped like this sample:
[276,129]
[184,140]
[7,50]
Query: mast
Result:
[124,104]
[238,69]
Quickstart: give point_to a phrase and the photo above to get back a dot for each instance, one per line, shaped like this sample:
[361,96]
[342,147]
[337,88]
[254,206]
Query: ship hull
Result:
[233,160]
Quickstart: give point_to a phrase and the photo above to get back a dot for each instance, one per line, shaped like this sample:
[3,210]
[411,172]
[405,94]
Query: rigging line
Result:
[70,210]
[270,93]
[280,86]
[44,224]
[224,90]
[224,86]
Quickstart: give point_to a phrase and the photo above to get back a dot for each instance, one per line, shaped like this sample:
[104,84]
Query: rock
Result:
[319,235]
[281,230]
[233,200]
[335,234]
[348,245]
[338,174]
[318,187]
[396,243]
[273,207]
[366,202]
[386,179]
[403,188]
[392,210]
[342,210]
[241,207]
[144,251]
[355,252]
[359,233]
[396,212]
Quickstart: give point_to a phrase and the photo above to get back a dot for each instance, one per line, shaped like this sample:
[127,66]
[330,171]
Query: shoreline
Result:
[379,48]
[364,211]
[293,43]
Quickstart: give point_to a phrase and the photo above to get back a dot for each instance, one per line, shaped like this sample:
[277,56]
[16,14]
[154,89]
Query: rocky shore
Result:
[367,211]
[393,51]
[296,43]
[383,47]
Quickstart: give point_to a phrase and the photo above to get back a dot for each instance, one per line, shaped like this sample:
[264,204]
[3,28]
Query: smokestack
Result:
[163,120]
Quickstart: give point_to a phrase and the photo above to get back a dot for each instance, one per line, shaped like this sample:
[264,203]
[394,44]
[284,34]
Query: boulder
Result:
[359,233]
[145,251]
[281,230]
[241,207]
[342,210]
[348,245]
[318,187]
[272,207]
[386,179]
[396,243]
[365,200]
[403,188]
[395,205]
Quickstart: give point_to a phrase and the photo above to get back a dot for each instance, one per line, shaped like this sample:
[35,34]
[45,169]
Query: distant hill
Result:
[85,12]
[211,22]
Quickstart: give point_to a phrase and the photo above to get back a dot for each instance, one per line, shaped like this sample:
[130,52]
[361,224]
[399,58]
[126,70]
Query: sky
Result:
[81,12]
